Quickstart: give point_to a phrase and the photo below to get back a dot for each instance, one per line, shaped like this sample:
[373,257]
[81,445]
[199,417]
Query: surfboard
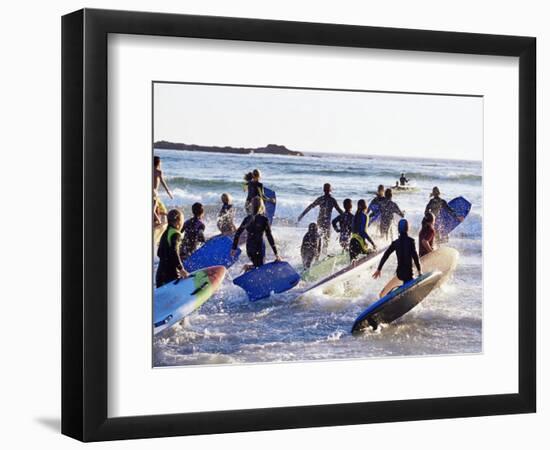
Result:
[215,252]
[270,206]
[325,267]
[158,230]
[175,300]
[443,259]
[448,222]
[348,272]
[397,303]
[374,214]
[261,282]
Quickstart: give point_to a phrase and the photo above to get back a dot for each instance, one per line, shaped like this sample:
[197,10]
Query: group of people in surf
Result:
[181,238]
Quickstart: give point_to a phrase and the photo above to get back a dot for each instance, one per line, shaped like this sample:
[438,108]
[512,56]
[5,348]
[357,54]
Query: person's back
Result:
[256,225]
[387,210]
[226,216]
[311,246]
[193,231]
[405,250]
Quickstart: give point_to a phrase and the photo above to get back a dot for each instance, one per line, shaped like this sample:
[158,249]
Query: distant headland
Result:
[270,149]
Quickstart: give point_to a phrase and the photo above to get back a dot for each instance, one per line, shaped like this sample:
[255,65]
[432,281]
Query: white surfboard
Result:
[444,260]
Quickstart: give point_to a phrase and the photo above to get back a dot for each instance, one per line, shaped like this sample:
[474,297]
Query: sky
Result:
[325,121]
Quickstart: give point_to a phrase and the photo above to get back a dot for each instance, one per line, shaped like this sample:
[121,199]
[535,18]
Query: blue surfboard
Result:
[215,252]
[448,222]
[398,302]
[374,213]
[274,277]
[270,206]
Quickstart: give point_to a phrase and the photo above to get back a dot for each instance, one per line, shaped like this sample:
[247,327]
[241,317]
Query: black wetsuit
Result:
[193,234]
[326,204]
[311,248]
[403,181]
[387,209]
[359,237]
[343,224]
[405,250]
[169,256]
[255,227]
[226,218]
[254,189]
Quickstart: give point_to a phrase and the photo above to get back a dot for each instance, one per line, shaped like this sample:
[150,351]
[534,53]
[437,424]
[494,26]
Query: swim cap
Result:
[403,226]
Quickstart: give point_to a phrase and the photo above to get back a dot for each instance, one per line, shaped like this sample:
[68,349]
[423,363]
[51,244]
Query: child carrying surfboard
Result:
[405,250]
[256,225]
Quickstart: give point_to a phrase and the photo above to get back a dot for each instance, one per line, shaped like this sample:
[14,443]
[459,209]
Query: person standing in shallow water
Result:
[326,204]
[193,231]
[359,236]
[254,188]
[170,266]
[256,225]
[343,223]
[311,246]
[226,216]
[427,235]
[405,250]
[435,206]
[387,209]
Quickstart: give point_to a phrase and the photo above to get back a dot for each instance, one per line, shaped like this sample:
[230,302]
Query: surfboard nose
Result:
[216,274]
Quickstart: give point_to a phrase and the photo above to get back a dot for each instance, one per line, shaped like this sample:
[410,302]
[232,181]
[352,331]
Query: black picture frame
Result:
[84,224]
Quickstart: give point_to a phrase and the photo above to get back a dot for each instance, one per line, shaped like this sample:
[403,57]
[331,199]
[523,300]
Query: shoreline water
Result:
[230,329]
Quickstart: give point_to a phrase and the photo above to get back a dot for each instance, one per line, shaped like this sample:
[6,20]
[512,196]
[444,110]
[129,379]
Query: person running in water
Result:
[343,223]
[435,206]
[374,205]
[256,225]
[170,267]
[403,180]
[193,231]
[254,188]
[405,250]
[159,210]
[387,209]
[426,235]
[226,216]
[326,204]
[311,246]
[359,236]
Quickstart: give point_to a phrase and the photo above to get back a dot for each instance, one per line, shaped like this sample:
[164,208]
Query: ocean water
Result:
[230,329]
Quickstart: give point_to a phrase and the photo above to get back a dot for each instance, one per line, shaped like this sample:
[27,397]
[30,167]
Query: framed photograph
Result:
[273,224]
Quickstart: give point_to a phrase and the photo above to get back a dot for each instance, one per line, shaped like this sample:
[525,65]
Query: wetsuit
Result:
[255,227]
[254,189]
[169,256]
[326,204]
[435,205]
[359,236]
[193,234]
[311,248]
[226,218]
[403,181]
[426,234]
[387,209]
[343,224]
[405,250]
